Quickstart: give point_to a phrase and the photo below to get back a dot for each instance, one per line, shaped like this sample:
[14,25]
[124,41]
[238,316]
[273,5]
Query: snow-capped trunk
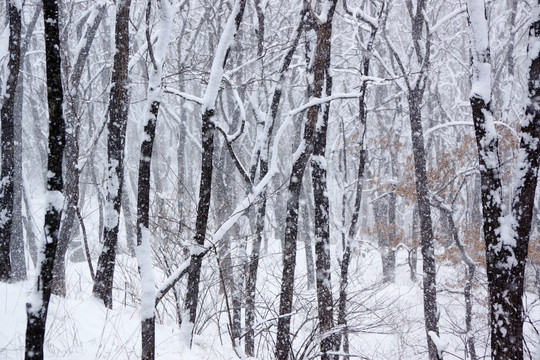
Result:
[118,115]
[38,303]
[144,237]
[205,187]
[506,238]
[318,73]
[7,120]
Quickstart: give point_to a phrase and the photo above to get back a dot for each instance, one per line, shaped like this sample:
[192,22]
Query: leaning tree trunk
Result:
[208,127]
[38,304]
[7,121]
[318,70]
[118,115]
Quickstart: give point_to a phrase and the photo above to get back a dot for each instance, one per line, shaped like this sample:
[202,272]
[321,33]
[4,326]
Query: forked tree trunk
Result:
[507,238]
[347,238]
[38,304]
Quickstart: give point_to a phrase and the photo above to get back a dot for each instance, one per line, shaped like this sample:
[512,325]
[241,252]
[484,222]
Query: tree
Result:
[325,302]
[38,304]
[319,71]
[506,237]
[143,249]
[205,187]
[263,148]
[7,114]
[414,87]
[118,115]
[71,155]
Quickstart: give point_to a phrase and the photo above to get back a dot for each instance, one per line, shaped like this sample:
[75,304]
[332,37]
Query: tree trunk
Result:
[7,114]
[318,70]
[118,115]
[325,303]
[426,228]
[18,260]
[144,237]
[506,238]
[205,188]
[38,304]
[71,156]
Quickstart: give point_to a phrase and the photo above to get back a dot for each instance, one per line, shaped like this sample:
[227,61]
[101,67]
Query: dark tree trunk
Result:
[143,210]
[144,237]
[343,340]
[205,189]
[18,260]
[322,51]
[7,114]
[325,303]
[424,214]
[203,208]
[506,254]
[118,115]
[37,308]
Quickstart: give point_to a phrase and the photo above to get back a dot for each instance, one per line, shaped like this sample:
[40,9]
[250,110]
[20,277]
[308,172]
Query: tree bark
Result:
[325,302]
[18,260]
[7,114]
[38,304]
[426,227]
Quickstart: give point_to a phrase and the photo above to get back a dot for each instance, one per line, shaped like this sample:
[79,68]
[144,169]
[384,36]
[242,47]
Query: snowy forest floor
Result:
[386,319]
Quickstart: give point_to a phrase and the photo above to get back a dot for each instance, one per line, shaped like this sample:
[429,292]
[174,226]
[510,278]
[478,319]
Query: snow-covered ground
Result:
[386,320]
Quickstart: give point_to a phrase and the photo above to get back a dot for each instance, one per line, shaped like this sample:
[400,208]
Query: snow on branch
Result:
[320,101]
[183,95]
[358,14]
[466,123]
